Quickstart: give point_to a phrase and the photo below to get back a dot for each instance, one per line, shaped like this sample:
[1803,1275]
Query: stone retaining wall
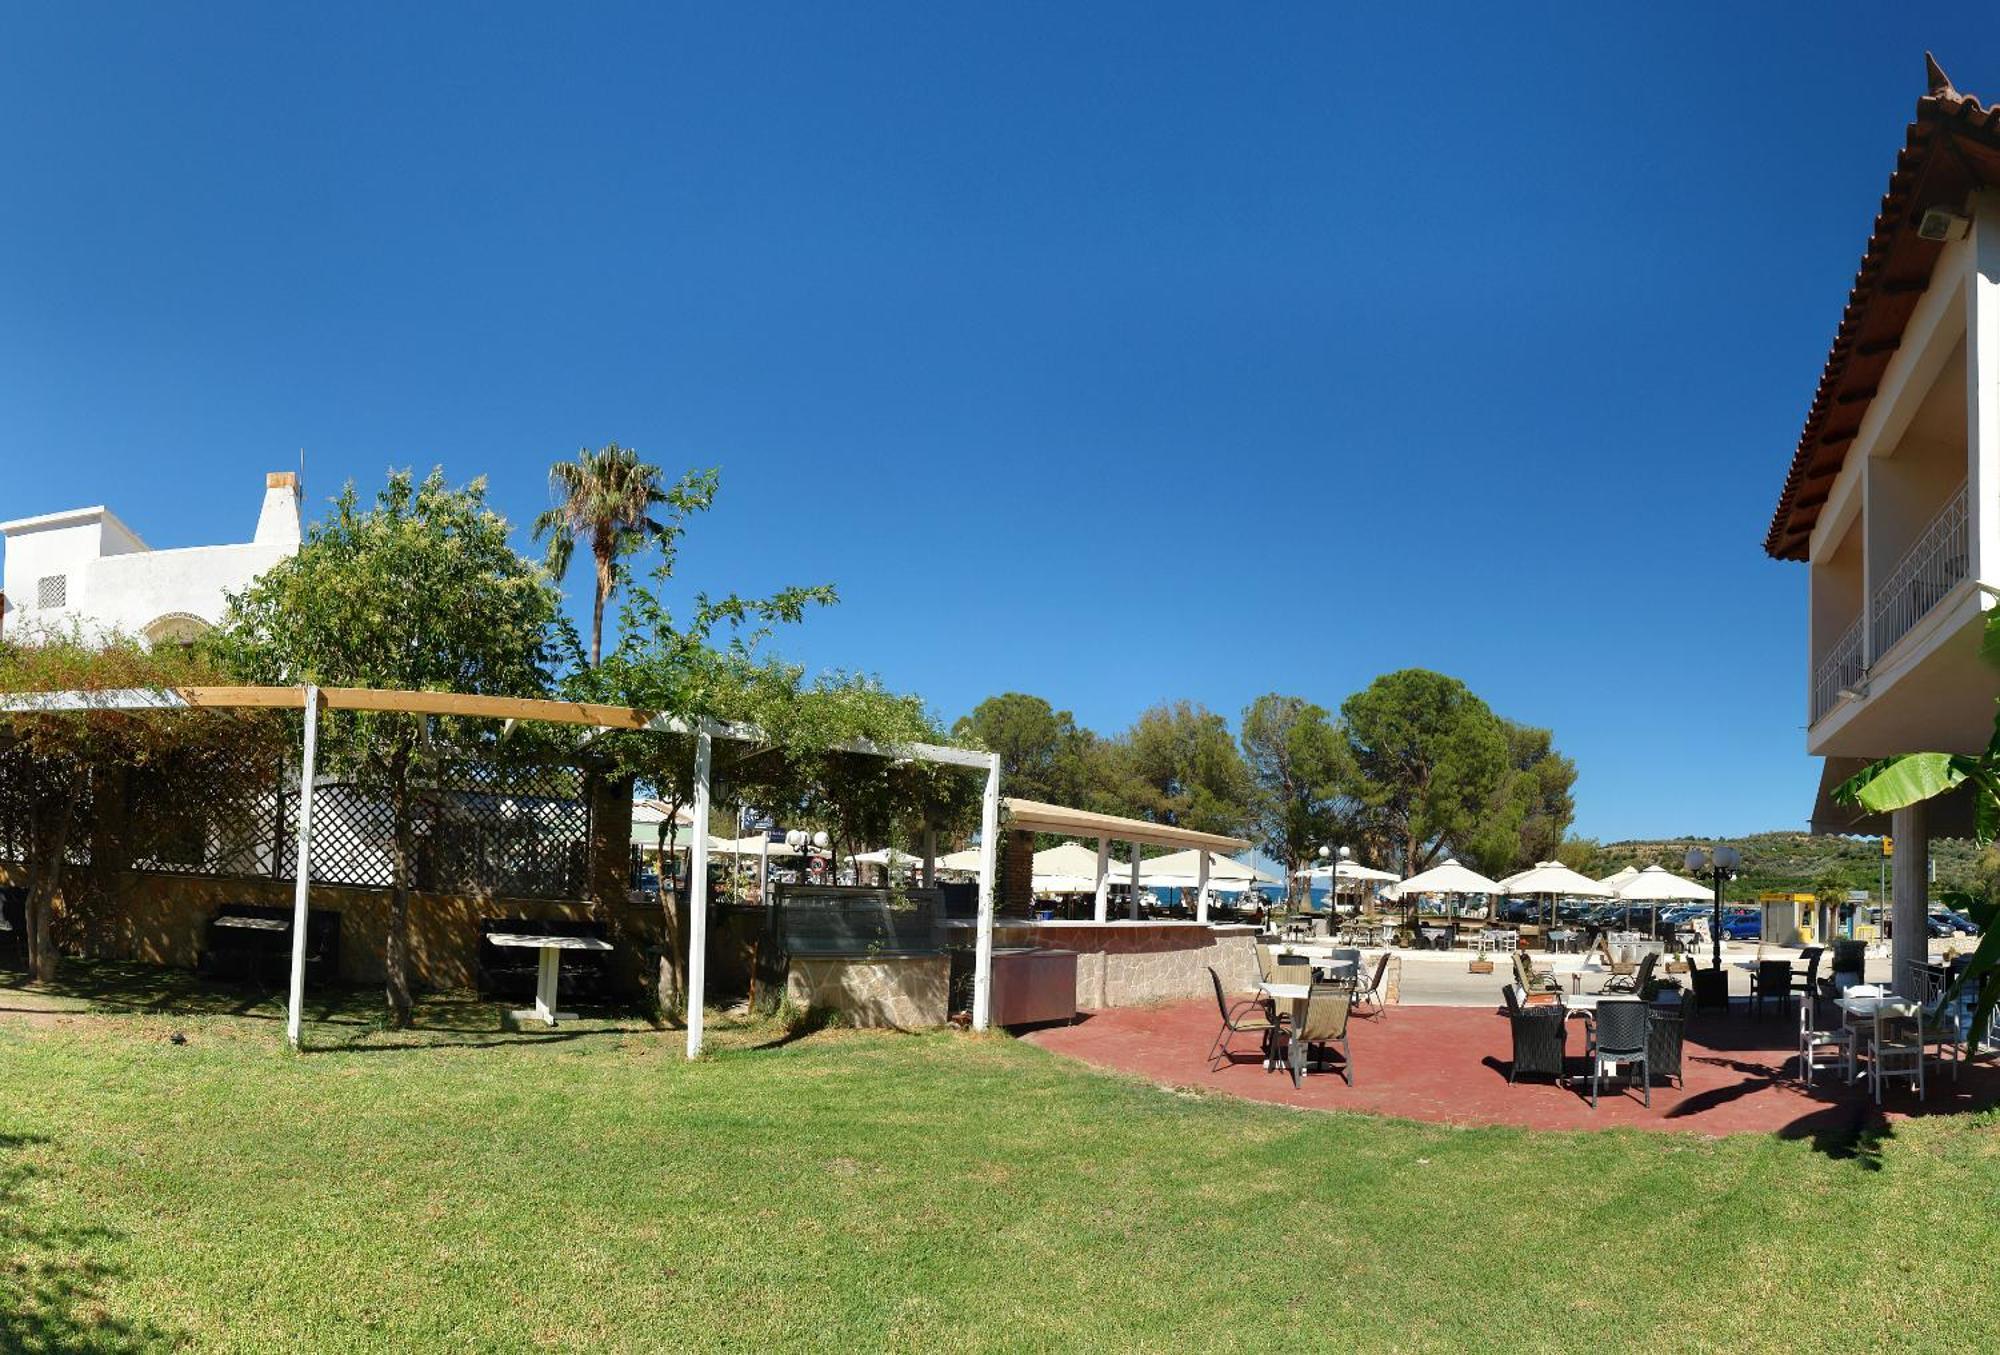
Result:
[1126,964]
[907,992]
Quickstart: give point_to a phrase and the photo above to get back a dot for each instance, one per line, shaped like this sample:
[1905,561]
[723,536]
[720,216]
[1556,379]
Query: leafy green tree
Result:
[1044,755]
[1542,786]
[1297,762]
[1580,854]
[419,592]
[1428,759]
[1179,765]
[70,777]
[608,498]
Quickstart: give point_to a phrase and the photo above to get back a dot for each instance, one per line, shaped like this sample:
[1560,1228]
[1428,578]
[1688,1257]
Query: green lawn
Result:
[469,1188]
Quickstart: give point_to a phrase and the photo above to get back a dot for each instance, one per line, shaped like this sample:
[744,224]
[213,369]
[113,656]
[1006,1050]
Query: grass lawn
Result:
[470,1188]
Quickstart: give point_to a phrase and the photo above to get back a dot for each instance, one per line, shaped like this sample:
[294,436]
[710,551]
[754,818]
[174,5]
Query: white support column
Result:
[1982,389]
[989,851]
[697,921]
[1201,889]
[764,873]
[302,872]
[1132,904]
[1103,879]
[1910,941]
[930,857]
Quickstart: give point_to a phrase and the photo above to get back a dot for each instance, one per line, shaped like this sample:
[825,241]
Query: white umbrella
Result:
[1655,884]
[1179,870]
[1449,878]
[1618,877]
[965,862]
[1070,869]
[1556,880]
[886,856]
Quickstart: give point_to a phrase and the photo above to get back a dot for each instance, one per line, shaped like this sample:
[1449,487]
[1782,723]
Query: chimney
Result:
[278,520]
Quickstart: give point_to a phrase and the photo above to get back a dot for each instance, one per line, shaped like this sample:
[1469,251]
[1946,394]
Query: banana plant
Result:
[1898,782]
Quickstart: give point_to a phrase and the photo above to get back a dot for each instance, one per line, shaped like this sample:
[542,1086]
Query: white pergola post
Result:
[930,857]
[989,849]
[302,873]
[764,872]
[1201,889]
[698,891]
[1103,879]
[1132,904]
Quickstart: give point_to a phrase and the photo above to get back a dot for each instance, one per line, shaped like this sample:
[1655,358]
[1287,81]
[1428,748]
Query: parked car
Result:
[1742,924]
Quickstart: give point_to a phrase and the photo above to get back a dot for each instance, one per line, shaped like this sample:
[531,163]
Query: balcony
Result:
[1937,561]
[1840,671]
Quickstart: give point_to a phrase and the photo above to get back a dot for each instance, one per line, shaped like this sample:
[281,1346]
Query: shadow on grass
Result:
[345,1019]
[52,1284]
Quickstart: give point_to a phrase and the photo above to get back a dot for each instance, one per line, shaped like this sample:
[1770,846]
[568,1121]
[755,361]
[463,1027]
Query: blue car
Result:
[1742,924]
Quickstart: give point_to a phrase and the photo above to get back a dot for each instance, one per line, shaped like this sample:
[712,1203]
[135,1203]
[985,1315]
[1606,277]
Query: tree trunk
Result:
[673,988]
[396,951]
[597,610]
[50,836]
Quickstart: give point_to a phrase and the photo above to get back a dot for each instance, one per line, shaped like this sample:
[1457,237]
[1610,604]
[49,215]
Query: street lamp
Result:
[797,839]
[1332,858]
[1717,865]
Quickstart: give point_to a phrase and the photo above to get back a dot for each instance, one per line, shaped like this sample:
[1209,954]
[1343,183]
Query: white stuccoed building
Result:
[86,568]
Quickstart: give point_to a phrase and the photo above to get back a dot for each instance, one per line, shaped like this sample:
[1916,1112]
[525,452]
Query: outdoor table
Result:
[551,948]
[1439,937]
[1562,938]
[1282,992]
[1858,1015]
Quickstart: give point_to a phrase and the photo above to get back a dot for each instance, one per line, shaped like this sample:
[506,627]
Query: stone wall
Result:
[1126,964]
[906,992]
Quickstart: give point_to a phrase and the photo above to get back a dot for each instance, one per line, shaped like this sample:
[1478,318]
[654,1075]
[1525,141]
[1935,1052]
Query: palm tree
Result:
[606,497]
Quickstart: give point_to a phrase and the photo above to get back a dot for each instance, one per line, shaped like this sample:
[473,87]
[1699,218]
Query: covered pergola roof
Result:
[1035,816]
[705,730]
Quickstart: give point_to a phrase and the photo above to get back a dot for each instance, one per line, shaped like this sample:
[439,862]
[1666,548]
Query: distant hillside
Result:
[1797,862]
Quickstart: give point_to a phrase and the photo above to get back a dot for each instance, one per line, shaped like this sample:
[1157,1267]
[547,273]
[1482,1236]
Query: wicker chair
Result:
[1618,1034]
[1772,980]
[1323,1022]
[1634,982]
[1531,979]
[1665,1036]
[1373,990]
[1247,1017]
[1541,1037]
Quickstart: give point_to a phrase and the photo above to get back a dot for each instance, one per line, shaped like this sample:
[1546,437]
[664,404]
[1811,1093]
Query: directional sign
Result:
[1888,845]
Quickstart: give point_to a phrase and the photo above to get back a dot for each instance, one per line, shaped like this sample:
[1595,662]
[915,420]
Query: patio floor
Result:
[1449,1065]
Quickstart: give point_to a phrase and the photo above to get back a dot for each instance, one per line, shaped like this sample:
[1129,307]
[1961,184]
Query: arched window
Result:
[175,628]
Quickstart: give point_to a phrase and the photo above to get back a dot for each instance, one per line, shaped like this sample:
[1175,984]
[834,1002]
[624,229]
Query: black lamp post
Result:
[1718,866]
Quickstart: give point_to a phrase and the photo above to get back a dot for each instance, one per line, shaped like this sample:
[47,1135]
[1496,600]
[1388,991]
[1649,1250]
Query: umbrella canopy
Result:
[1180,870]
[1449,878]
[1618,877]
[886,856]
[1344,870]
[965,862]
[1657,885]
[1070,869]
[1553,877]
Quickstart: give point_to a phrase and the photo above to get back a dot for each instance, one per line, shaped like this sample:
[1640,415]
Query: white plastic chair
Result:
[1897,1046]
[1837,1045]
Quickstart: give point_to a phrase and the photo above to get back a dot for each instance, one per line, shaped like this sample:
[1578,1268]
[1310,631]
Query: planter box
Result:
[1479,966]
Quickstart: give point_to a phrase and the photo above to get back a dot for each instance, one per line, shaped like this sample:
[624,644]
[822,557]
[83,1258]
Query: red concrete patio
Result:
[1449,1065]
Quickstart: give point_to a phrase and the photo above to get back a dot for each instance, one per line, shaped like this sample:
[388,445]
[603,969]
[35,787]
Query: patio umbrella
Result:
[1067,868]
[960,863]
[1179,870]
[1449,878]
[1656,885]
[1555,880]
[1344,872]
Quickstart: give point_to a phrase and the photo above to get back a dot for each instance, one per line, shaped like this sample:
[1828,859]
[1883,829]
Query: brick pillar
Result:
[1017,874]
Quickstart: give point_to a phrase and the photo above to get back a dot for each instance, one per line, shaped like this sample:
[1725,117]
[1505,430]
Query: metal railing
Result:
[1937,561]
[1838,672]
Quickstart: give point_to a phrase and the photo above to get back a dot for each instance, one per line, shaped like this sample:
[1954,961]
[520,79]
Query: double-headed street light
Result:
[1331,857]
[1717,865]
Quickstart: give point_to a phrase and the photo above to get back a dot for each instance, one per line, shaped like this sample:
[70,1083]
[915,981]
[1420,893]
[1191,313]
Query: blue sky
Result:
[1113,353]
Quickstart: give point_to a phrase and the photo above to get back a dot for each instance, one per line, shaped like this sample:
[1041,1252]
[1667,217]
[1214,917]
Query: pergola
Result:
[1035,816]
[313,699]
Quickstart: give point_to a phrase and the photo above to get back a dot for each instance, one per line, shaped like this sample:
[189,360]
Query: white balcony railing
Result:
[1937,561]
[1839,671]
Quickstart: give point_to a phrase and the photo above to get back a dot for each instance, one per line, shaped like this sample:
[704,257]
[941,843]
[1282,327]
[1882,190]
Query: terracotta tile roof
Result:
[1951,148]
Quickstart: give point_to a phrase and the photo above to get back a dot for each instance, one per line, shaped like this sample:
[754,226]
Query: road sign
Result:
[1857,896]
[1888,845]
